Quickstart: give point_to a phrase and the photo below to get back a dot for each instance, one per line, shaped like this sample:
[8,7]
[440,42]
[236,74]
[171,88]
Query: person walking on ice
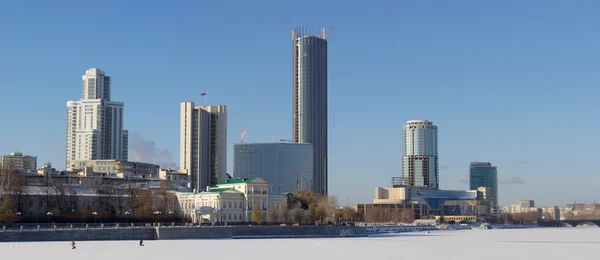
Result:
[73,244]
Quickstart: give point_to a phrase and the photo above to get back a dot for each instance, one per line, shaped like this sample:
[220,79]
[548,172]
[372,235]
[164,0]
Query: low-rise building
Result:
[231,201]
[121,169]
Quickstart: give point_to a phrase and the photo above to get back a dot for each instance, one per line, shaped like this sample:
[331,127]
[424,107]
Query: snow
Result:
[539,243]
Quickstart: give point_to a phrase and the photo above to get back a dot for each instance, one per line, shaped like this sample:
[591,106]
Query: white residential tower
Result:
[203,144]
[95,123]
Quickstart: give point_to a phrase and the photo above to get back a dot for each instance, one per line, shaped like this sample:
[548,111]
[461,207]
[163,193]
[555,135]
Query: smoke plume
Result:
[147,152]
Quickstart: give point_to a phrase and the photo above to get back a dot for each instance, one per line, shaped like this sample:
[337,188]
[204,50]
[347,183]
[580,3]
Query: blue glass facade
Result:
[420,154]
[286,166]
[484,174]
[310,99]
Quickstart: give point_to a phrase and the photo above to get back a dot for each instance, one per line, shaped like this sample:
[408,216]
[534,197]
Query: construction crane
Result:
[287,141]
[326,34]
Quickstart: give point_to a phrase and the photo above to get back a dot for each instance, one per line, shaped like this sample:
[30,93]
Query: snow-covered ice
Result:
[539,243]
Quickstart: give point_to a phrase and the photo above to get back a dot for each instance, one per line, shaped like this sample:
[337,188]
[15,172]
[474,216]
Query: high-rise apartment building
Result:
[310,98]
[18,161]
[484,174]
[94,123]
[420,154]
[203,144]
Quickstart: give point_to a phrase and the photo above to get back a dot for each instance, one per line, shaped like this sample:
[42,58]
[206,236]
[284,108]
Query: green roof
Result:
[238,180]
[215,189]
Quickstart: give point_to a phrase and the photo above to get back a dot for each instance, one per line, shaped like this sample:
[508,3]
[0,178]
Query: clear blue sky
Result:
[510,82]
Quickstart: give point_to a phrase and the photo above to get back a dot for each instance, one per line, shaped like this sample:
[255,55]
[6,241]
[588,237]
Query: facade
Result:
[484,174]
[420,154]
[526,203]
[203,144]
[524,206]
[553,212]
[94,123]
[125,155]
[18,161]
[231,201]
[310,99]
[427,202]
[391,195]
[119,168]
[287,167]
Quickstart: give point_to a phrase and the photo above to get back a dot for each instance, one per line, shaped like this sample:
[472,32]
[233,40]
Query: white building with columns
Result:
[231,201]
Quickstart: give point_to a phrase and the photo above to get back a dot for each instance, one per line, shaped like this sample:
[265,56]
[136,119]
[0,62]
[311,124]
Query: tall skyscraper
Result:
[310,98]
[203,144]
[420,154]
[94,123]
[484,174]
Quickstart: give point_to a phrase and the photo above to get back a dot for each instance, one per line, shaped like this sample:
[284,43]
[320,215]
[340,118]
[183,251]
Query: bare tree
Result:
[298,213]
[284,214]
[7,176]
[7,215]
[143,204]
[18,193]
[408,215]
[273,216]
[257,213]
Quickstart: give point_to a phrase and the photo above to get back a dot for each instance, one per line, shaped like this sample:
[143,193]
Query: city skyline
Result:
[497,78]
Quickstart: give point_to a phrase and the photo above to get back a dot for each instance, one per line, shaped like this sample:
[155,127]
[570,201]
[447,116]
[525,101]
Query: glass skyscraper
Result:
[286,166]
[310,98]
[420,154]
[484,174]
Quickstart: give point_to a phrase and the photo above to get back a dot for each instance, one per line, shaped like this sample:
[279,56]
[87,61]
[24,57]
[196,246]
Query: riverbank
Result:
[173,233]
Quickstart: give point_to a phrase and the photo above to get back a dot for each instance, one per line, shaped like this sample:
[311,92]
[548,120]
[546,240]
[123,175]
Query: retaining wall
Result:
[78,235]
[166,233]
[260,232]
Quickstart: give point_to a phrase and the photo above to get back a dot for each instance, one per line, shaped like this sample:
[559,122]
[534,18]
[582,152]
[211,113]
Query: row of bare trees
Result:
[518,218]
[64,203]
[306,207]
[583,215]
[389,215]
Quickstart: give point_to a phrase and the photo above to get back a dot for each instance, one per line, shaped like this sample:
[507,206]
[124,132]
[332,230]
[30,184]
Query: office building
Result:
[420,154]
[310,98]
[287,167]
[484,174]
[19,162]
[94,123]
[203,144]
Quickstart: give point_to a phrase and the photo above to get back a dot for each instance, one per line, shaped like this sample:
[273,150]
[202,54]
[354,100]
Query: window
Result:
[229,216]
[230,204]
[234,217]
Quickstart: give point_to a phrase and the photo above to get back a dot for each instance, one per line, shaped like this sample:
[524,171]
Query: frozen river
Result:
[540,243]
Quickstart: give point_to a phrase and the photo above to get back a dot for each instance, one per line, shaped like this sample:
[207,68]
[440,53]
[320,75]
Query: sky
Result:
[511,82]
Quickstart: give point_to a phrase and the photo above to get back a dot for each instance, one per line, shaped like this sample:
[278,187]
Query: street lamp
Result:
[156,213]
[126,215]
[49,214]
[95,214]
[170,214]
